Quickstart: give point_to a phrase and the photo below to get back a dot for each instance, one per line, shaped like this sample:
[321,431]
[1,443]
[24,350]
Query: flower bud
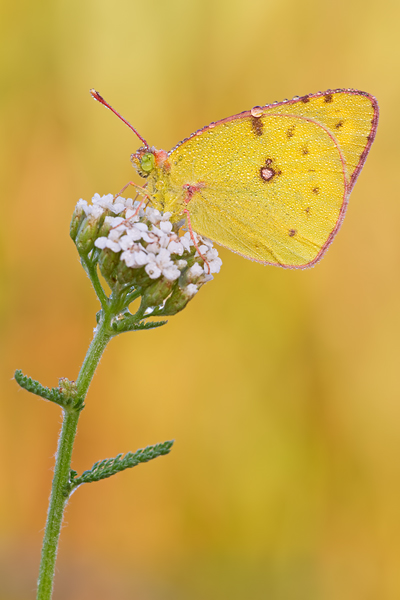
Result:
[67,386]
[191,274]
[77,218]
[89,230]
[68,389]
[179,299]
[129,276]
[105,228]
[108,262]
[155,294]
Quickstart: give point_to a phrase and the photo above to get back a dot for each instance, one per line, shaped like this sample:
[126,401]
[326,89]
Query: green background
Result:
[281,388]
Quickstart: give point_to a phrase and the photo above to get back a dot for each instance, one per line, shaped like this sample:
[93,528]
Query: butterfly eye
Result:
[147,162]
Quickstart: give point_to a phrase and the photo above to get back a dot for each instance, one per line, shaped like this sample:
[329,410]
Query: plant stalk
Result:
[61,481]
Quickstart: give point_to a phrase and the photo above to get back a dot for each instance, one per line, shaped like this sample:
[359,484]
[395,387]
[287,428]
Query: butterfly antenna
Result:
[100,99]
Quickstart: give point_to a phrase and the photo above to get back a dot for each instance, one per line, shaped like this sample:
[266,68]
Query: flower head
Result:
[140,247]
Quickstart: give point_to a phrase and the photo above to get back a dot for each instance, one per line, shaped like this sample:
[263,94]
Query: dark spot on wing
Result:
[304,150]
[307,211]
[292,232]
[290,131]
[328,98]
[305,99]
[267,172]
[257,125]
[315,190]
[339,124]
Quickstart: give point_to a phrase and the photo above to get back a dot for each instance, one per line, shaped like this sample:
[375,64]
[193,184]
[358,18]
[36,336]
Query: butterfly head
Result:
[146,160]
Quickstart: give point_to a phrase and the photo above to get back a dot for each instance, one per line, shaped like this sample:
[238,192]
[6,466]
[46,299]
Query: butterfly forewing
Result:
[274,182]
[351,116]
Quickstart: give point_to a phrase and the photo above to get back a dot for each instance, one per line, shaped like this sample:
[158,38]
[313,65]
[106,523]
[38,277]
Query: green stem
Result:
[102,336]
[58,500]
[61,482]
[94,278]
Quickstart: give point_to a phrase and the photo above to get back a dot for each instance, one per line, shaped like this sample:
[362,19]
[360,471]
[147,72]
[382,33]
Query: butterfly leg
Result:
[185,210]
[139,190]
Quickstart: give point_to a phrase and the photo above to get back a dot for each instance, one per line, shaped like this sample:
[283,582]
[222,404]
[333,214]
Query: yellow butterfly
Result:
[271,183]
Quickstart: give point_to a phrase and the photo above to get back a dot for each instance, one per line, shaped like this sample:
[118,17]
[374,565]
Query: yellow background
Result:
[280,388]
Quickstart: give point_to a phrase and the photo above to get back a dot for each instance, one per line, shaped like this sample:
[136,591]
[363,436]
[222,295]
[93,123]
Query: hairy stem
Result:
[61,482]
[58,500]
[91,269]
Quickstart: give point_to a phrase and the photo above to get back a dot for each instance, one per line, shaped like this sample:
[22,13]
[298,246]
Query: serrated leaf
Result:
[149,325]
[109,466]
[33,386]
[133,325]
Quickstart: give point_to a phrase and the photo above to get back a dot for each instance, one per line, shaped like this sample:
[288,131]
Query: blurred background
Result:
[281,388]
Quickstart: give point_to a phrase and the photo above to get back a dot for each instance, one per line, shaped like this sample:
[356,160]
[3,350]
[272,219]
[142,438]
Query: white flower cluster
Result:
[145,237]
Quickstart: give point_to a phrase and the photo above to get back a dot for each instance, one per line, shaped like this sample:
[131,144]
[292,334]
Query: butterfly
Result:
[272,183]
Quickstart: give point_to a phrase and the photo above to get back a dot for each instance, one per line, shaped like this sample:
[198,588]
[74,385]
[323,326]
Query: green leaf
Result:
[149,324]
[109,466]
[33,386]
[65,395]
[132,324]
